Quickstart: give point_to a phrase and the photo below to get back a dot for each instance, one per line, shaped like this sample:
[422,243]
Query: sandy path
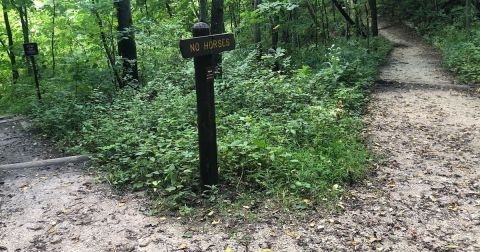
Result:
[423,196]
[428,194]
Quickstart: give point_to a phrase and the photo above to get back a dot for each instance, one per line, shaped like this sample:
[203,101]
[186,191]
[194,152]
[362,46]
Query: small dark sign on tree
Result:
[30,49]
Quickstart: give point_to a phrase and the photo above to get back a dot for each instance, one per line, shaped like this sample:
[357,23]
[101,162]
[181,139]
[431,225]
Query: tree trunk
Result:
[11,53]
[126,42]
[327,23]
[347,17]
[468,17]
[108,52]
[374,17]
[22,12]
[217,27]
[169,8]
[53,38]
[203,11]
[313,15]
[257,32]
[274,30]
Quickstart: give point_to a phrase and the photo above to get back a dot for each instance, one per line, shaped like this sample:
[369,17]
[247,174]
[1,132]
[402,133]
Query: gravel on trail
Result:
[424,194]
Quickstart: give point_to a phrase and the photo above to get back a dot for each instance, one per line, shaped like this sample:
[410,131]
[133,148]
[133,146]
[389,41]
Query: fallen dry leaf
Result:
[182,246]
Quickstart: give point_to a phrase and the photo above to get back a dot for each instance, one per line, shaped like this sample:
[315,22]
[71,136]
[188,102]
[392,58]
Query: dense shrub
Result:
[290,133]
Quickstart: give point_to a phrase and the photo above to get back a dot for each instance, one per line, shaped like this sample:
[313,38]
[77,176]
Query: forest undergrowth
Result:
[289,106]
[292,134]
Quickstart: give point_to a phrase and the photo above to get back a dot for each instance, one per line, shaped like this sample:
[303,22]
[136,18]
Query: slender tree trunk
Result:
[327,23]
[217,27]
[374,17]
[108,52]
[274,33]
[11,53]
[274,30]
[357,17]
[347,17]
[126,42]
[468,17]
[53,37]
[169,8]
[258,32]
[313,15]
[22,12]
[203,11]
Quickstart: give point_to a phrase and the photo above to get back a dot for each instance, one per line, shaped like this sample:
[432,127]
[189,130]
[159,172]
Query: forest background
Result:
[289,99]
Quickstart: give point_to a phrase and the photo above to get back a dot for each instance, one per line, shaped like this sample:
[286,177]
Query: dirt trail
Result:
[424,195]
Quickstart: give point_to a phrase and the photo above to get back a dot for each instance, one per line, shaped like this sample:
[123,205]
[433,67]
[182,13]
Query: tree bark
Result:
[374,17]
[274,30]
[22,12]
[53,37]
[126,42]
[169,8]
[11,53]
[217,27]
[108,52]
[257,32]
[203,11]
[468,18]
[347,17]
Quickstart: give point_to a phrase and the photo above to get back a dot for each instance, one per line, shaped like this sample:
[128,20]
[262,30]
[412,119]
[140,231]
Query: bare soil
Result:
[424,194]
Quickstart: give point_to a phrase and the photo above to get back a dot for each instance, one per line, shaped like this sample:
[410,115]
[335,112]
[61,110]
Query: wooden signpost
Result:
[201,48]
[31,49]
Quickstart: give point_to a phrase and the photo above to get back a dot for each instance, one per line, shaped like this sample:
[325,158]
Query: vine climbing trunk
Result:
[126,42]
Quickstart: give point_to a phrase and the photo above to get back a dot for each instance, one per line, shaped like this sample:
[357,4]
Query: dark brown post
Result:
[207,131]
[31,49]
[35,74]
